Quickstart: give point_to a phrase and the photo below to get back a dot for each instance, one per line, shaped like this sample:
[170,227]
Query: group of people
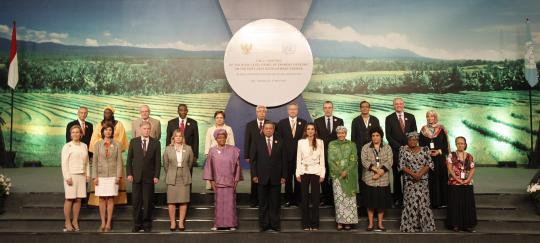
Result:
[314,161]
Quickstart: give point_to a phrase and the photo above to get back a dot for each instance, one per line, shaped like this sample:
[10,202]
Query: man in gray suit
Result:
[155,131]
[142,168]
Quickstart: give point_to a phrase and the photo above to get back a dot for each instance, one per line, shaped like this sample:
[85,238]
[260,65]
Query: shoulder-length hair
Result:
[315,136]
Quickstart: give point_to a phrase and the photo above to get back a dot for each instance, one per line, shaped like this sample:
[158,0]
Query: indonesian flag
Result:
[531,73]
[13,72]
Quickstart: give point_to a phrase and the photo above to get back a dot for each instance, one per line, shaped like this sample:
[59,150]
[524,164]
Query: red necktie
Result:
[182,125]
[269,147]
[260,127]
[402,123]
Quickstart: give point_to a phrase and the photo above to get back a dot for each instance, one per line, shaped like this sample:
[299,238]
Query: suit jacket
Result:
[155,130]
[268,168]
[170,164]
[324,134]
[87,134]
[284,131]
[103,166]
[360,133]
[394,135]
[143,167]
[252,136]
[191,133]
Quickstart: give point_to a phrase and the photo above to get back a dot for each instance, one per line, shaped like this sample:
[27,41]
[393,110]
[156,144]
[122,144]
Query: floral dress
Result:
[342,156]
[416,215]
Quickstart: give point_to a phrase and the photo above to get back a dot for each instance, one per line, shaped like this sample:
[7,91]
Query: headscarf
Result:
[412,134]
[220,131]
[432,130]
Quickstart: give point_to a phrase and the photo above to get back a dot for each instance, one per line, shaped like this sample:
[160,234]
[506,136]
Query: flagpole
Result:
[11,126]
[531,119]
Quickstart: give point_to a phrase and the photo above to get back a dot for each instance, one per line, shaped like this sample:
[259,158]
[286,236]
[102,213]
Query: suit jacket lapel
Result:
[334,123]
[274,143]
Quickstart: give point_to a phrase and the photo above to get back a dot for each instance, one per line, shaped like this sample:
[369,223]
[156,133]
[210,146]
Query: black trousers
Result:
[292,186]
[310,216]
[269,206]
[398,190]
[326,186]
[142,196]
[253,196]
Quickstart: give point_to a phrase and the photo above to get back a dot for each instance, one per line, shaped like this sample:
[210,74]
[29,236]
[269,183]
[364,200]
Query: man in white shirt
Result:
[397,125]
[326,129]
[291,129]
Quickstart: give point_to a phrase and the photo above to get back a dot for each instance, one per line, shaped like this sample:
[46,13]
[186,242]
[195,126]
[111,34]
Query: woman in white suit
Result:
[177,161]
[76,173]
[310,172]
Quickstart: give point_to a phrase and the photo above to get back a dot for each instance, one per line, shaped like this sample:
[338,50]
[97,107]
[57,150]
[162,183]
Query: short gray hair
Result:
[260,107]
[143,106]
[341,129]
[396,99]
[146,123]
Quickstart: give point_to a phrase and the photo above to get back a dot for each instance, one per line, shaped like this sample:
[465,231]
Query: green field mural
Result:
[496,123]
[469,70]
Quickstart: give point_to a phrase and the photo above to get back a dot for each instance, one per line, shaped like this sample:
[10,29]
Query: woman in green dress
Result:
[343,163]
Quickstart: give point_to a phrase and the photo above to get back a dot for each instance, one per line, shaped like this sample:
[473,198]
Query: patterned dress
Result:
[416,215]
[342,156]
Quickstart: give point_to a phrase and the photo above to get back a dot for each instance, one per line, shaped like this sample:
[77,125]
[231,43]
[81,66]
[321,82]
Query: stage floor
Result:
[49,179]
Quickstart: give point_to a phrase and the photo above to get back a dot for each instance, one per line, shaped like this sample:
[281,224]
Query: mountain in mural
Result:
[320,48]
[60,49]
[342,49]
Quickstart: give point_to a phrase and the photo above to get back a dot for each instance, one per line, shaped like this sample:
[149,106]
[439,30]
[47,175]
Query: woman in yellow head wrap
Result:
[120,137]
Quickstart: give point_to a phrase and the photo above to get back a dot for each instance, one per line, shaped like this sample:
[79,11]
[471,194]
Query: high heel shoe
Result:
[76,227]
[68,228]
[182,228]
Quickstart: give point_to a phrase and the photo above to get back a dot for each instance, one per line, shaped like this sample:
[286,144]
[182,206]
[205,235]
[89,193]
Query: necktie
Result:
[144,146]
[402,123]
[182,125]
[293,127]
[83,126]
[260,127]
[328,127]
[269,147]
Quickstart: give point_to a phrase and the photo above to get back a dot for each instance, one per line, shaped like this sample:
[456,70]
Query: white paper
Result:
[107,187]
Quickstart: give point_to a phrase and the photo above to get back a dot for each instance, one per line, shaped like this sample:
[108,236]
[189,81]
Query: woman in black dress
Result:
[461,212]
[434,136]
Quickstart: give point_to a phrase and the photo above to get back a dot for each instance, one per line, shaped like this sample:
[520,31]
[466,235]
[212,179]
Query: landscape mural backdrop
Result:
[462,58]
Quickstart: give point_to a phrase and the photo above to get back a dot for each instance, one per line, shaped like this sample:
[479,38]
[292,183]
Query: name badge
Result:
[432,145]
[463,175]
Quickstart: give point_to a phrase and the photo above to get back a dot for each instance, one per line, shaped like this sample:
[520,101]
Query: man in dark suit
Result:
[360,128]
[326,128]
[254,132]
[142,168]
[291,129]
[87,128]
[188,126]
[268,171]
[397,125]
